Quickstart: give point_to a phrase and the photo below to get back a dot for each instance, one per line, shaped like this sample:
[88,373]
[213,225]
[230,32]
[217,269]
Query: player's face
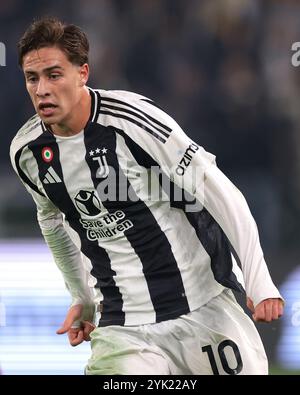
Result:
[54,84]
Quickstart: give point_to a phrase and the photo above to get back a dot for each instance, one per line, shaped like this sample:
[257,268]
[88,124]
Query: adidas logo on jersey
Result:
[51,177]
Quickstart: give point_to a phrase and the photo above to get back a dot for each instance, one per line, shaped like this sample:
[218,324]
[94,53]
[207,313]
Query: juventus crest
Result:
[103,168]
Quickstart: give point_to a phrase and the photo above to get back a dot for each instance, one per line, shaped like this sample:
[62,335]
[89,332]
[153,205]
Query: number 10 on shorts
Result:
[225,348]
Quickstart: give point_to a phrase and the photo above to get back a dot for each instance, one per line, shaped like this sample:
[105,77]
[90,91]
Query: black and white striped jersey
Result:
[123,198]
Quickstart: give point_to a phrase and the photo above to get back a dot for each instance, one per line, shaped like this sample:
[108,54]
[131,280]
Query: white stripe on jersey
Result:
[131,282]
[26,134]
[22,138]
[91,281]
[72,157]
[237,271]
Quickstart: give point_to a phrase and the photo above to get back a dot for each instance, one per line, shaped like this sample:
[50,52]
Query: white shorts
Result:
[218,338]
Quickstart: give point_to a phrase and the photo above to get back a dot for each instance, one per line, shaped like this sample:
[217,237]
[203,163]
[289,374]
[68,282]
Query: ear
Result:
[84,73]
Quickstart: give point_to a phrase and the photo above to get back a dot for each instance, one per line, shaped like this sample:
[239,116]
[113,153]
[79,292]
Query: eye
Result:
[31,79]
[54,76]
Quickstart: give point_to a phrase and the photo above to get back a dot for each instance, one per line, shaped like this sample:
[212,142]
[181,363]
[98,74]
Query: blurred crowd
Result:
[221,68]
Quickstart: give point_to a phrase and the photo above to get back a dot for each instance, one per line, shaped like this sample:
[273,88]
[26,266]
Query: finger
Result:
[280,308]
[88,327]
[63,329]
[268,305]
[278,303]
[73,314]
[73,332]
[75,338]
[275,309]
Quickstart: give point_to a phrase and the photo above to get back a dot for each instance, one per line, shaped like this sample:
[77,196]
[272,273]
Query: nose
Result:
[42,88]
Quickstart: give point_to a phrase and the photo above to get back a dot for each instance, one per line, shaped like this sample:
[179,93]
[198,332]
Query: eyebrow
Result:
[44,70]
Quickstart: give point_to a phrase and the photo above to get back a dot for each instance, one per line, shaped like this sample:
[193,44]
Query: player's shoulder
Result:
[133,104]
[28,132]
[121,95]
[135,116]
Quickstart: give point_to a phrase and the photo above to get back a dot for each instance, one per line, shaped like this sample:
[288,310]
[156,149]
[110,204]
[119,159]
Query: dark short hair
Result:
[51,32]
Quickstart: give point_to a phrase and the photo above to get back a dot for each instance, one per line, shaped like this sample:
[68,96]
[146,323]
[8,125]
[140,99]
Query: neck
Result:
[78,118]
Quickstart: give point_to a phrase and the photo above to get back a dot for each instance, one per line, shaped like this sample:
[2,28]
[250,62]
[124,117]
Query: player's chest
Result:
[89,170]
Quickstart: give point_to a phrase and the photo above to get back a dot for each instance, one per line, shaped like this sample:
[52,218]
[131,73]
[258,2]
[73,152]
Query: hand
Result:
[76,335]
[267,310]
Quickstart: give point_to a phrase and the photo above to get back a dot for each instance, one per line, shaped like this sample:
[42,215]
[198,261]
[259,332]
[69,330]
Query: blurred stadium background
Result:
[223,69]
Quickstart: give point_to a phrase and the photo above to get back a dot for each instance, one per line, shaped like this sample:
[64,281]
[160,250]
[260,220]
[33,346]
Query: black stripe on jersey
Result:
[95,105]
[208,231]
[167,128]
[135,115]
[58,194]
[154,134]
[23,175]
[145,236]
[217,246]
[234,253]
[99,103]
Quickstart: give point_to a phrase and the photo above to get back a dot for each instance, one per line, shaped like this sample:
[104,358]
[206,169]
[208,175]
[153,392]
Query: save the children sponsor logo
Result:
[100,225]
[108,226]
[87,203]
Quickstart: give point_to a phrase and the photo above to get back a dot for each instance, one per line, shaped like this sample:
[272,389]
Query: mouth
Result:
[47,109]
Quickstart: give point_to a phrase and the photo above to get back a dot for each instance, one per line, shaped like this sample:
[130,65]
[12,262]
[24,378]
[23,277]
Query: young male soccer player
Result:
[162,261]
